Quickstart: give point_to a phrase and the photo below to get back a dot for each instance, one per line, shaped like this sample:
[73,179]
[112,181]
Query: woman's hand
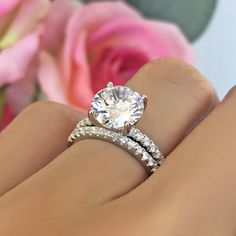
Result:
[96,189]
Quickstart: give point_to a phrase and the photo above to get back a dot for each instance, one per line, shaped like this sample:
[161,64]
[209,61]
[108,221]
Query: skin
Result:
[96,188]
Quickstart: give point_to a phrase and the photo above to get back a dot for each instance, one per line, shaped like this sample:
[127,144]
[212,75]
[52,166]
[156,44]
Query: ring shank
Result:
[141,152]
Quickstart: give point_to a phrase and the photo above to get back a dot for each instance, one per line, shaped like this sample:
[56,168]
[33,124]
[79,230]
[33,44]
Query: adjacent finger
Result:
[178,98]
[196,185]
[36,137]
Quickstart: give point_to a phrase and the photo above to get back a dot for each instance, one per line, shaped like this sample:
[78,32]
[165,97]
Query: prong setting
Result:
[109,85]
[90,115]
[92,119]
[127,128]
[145,100]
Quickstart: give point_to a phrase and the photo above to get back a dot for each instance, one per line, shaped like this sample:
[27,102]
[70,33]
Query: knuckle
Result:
[204,91]
[44,106]
[182,75]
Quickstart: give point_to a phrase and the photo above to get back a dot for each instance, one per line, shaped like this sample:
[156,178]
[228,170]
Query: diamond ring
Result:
[114,112]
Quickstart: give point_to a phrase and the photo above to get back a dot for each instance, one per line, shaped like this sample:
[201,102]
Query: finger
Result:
[36,136]
[94,171]
[196,185]
[178,98]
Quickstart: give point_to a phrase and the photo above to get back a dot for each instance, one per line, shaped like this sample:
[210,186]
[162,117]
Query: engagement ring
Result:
[112,117]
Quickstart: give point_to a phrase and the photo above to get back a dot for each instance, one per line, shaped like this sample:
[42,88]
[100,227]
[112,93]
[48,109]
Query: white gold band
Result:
[126,143]
[136,143]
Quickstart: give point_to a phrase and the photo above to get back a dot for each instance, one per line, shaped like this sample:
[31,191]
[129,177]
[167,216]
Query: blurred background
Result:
[209,25]
[216,49]
[67,50]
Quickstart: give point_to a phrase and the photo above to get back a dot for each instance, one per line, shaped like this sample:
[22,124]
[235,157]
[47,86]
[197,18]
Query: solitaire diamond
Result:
[117,106]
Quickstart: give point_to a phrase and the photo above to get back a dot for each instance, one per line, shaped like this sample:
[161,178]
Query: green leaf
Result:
[37,93]
[2,102]
[192,16]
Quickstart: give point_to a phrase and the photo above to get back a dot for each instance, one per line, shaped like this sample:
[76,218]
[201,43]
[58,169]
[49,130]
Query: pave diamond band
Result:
[114,112]
[134,134]
[126,143]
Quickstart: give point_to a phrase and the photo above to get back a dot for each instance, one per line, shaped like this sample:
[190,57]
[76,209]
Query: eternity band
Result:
[114,112]
[126,143]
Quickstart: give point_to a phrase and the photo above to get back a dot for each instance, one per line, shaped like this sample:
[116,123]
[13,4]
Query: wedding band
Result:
[114,112]
[132,147]
[134,134]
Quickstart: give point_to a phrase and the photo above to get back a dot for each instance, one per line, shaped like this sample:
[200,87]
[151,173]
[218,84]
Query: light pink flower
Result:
[20,32]
[22,26]
[107,41]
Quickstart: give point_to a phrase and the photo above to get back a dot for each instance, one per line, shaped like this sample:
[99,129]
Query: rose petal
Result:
[20,94]
[175,40]
[94,15]
[15,61]
[50,79]
[7,5]
[156,39]
[132,33]
[117,65]
[80,91]
[56,21]
[29,15]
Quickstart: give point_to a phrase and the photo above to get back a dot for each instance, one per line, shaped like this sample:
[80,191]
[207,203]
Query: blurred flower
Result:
[74,50]
[23,25]
[20,31]
[106,41]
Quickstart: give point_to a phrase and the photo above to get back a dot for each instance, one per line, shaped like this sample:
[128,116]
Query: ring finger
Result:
[95,171]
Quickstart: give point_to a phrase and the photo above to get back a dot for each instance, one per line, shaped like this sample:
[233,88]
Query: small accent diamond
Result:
[139,151]
[152,148]
[145,156]
[146,141]
[151,162]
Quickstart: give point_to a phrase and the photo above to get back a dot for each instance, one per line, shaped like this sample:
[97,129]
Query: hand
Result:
[96,189]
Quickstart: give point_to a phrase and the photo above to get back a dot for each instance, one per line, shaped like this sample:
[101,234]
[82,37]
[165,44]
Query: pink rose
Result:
[22,26]
[8,116]
[20,31]
[107,41]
